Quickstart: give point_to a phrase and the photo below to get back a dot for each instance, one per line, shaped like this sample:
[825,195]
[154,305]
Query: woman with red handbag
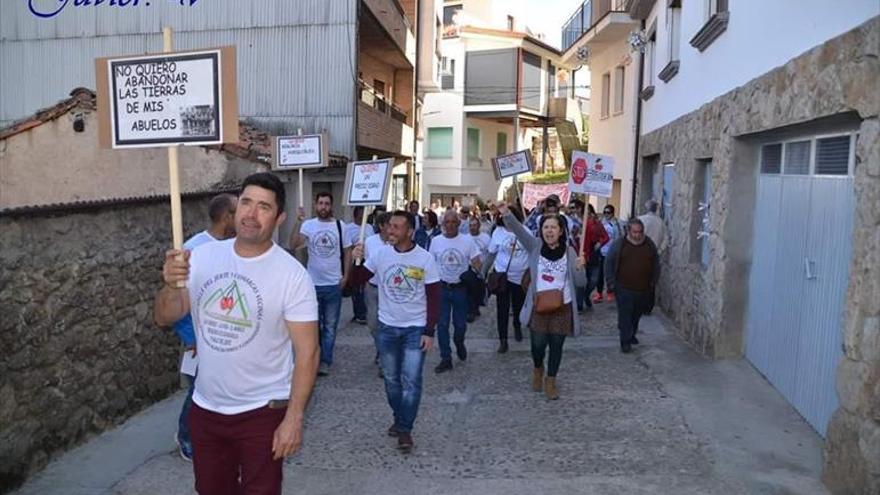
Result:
[555,271]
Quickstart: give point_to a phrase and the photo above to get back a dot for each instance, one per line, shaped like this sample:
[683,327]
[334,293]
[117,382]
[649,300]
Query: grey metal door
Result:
[800,265]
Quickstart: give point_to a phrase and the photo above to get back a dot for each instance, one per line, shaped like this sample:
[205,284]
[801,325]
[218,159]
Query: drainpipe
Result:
[635,181]
[415,107]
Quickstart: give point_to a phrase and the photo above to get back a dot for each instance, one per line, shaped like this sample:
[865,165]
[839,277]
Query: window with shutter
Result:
[771,158]
[832,155]
[797,158]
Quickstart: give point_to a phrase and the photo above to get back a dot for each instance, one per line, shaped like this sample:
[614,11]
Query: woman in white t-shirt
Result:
[506,255]
[555,270]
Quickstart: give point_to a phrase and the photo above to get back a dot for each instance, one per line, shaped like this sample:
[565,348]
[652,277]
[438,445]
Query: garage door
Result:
[800,266]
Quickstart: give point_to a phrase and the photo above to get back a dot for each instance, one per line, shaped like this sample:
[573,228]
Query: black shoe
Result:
[461,350]
[444,366]
[517,334]
[471,317]
[634,340]
[404,442]
[626,348]
[503,347]
[392,430]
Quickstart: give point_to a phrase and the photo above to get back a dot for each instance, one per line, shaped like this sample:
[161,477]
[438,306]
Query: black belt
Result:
[447,285]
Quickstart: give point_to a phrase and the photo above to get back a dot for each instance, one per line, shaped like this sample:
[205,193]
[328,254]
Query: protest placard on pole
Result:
[591,174]
[168,99]
[300,152]
[511,165]
[366,184]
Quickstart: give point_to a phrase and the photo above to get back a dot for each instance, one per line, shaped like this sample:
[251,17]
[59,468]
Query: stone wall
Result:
[79,351]
[834,82]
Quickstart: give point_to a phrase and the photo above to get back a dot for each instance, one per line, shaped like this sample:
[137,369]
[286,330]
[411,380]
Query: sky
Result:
[547,16]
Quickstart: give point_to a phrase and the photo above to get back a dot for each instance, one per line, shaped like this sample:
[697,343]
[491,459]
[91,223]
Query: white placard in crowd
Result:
[512,164]
[366,182]
[306,151]
[591,174]
[167,99]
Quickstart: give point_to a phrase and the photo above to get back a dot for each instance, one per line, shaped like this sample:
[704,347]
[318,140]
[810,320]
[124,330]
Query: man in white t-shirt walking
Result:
[454,254]
[328,264]
[221,211]
[409,301]
[249,300]
[476,284]
[372,245]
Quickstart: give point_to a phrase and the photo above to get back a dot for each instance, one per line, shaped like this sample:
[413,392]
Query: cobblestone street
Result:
[662,420]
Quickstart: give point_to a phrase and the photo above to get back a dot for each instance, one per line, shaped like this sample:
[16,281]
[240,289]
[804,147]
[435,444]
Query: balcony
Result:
[391,17]
[589,15]
[382,125]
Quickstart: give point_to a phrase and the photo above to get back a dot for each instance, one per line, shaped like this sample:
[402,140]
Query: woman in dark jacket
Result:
[553,266]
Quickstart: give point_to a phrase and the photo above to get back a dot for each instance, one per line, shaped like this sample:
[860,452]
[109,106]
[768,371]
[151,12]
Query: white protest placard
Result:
[591,174]
[168,99]
[306,151]
[512,164]
[366,182]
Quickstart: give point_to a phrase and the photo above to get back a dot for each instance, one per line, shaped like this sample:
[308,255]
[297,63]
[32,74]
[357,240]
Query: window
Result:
[532,76]
[450,14]
[447,74]
[510,23]
[473,144]
[668,190]
[619,85]
[650,53]
[501,144]
[491,77]
[673,35]
[715,18]
[825,155]
[771,159]
[606,95]
[704,179]
[379,87]
[833,155]
[440,142]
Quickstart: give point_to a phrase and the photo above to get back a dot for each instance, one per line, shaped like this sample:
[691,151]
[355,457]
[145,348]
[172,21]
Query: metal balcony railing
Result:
[590,12]
[377,100]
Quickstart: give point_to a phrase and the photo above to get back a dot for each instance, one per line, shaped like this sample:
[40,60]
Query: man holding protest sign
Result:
[409,301]
[328,264]
[250,301]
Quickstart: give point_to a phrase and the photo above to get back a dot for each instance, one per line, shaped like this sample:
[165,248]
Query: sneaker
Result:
[609,297]
[471,318]
[503,347]
[634,340]
[381,373]
[461,351]
[444,366]
[323,369]
[597,299]
[626,348]
[517,334]
[404,442]
[392,430]
[184,449]
[360,321]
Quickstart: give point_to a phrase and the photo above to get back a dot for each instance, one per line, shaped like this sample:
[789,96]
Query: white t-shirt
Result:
[453,255]
[482,241]
[325,267]
[402,278]
[372,246]
[197,240]
[239,307]
[502,244]
[552,275]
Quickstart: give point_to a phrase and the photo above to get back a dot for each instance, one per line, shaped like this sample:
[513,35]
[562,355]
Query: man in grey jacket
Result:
[632,268]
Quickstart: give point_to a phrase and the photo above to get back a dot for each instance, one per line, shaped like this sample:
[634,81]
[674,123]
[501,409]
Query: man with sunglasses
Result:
[614,231]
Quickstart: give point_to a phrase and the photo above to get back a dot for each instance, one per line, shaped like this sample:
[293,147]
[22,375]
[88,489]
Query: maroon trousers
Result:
[232,454]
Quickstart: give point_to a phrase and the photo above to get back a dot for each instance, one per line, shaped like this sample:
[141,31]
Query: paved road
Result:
[661,420]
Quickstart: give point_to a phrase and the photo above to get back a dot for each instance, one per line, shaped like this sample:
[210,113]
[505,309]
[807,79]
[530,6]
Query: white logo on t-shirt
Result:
[452,263]
[324,244]
[402,283]
[231,312]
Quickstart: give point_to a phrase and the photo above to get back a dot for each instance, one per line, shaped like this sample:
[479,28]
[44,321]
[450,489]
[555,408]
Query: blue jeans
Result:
[583,293]
[358,305]
[329,304]
[183,421]
[454,301]
[402,361]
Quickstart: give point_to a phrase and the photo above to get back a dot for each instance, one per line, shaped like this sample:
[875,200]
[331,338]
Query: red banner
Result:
[532,193]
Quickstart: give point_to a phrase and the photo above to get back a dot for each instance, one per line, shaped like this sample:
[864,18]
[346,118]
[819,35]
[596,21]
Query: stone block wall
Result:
[836,81]
[79,351]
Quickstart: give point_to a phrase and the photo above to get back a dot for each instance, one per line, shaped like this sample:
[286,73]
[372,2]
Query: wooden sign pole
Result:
[299,132]
[174,175]
[358,261]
